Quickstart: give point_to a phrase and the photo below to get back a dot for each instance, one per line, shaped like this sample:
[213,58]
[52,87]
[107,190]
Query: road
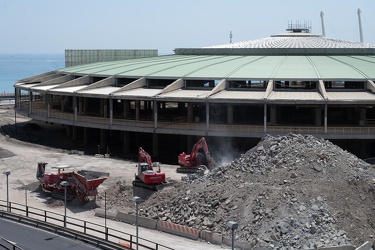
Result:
[31,238]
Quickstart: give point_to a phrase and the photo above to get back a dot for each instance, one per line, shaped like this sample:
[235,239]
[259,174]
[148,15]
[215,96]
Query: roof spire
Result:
[360,26]
[322,20]
[230,37]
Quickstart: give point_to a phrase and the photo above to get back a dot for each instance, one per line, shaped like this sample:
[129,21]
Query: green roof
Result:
[283,67]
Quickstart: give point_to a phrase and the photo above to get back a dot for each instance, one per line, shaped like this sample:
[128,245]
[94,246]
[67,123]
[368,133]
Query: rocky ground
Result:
[288,192]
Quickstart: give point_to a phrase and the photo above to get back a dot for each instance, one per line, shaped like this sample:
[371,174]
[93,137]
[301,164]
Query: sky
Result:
[46,26]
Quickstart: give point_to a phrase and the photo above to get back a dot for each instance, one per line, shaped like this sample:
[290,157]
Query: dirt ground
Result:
[21,156]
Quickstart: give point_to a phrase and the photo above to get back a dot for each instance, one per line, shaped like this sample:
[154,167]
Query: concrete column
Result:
[318,117]
[126,107]
[75,107]
[105,108]
[126,137]
[103,140]
[207,117]
[155,145]
[273,114]
[137,108]
[110,111]
[85,100]
[74,130]
[63,103]
[362,117]
[325,118]
[85,136]
[265,118]
[155,115]
[80,104]
[190,112]
[230,114]
[18,100]
[30,102]
[48,99]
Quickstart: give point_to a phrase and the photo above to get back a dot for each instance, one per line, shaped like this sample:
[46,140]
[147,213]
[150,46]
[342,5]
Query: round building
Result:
[294,82]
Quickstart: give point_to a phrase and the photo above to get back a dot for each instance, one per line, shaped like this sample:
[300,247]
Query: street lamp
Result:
[137,200]
[232,225]
[7,173]
[64,184]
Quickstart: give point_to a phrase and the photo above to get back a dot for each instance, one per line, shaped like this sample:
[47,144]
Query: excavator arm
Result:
[143,156]
[194,162]
[201,144]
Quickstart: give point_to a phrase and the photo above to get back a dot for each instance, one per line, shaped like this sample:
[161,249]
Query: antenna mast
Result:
[322,20]
[360,26]
[230,37]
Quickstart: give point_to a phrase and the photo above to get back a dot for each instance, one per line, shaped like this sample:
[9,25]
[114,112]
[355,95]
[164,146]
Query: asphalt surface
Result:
[33,238]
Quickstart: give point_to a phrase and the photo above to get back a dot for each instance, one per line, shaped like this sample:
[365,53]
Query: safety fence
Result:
[96,234]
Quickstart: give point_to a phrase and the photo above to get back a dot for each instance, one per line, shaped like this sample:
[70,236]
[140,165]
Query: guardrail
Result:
[243,129]
[6,244]
[96,234]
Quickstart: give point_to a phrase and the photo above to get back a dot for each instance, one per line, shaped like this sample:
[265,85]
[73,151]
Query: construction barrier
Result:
[215,238]
[176,229]
[101,213]
[130,219]
[239,244]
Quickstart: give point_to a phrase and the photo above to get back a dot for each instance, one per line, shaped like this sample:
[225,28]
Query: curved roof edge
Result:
[275,51]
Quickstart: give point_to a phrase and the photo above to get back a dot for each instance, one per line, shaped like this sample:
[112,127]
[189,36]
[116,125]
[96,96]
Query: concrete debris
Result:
[288,192]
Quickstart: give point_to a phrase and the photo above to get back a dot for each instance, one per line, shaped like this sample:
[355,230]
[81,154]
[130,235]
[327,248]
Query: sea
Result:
[14,67]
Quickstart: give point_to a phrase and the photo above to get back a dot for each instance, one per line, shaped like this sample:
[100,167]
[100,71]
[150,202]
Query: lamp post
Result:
[64,184]
[137,200]
[7,173]
[232,225]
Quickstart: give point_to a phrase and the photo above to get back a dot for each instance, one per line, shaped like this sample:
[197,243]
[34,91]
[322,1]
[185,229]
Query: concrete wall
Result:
[78,57]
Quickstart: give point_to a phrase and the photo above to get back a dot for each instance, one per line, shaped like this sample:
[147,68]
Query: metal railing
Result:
[9,245]
[78,229]
[201,126]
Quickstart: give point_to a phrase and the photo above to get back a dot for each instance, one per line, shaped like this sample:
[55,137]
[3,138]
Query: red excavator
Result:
[199,161]
[147,177]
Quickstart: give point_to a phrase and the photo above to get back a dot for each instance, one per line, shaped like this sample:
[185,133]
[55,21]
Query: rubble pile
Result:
[288,192]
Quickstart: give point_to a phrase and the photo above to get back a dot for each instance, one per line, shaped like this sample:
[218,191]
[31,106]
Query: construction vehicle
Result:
[146,176]
[199,161]
[82,184]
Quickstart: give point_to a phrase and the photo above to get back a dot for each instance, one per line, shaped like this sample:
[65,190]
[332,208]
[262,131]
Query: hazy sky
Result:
[51,26]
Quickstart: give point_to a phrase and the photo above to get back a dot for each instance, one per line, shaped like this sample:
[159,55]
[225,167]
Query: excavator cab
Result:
[41,169]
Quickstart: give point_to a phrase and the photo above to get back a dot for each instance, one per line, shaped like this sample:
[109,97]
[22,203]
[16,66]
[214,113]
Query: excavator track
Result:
[192,170]
[139,183]
[155,187]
